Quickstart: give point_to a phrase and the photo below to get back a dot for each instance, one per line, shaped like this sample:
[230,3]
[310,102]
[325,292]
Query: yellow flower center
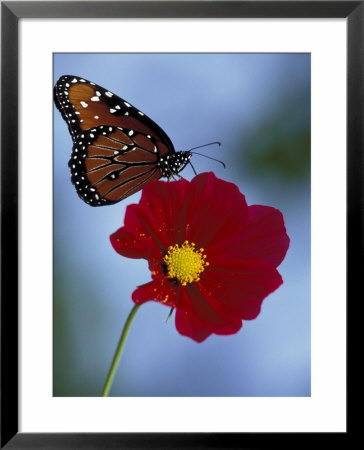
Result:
[185,263]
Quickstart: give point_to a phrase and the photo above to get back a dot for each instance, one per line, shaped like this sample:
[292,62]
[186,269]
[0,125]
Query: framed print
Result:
[181,212]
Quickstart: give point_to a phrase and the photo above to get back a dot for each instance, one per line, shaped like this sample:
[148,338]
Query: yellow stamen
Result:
[185,263]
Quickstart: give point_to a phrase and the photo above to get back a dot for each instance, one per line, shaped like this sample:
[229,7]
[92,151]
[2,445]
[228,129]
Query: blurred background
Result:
[258,106]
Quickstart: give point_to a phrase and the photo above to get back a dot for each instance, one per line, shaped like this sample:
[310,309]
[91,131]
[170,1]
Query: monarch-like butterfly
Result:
[116,148]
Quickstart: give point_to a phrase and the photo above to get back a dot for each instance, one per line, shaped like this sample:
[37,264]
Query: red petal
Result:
[242,286]
[191,326]
[126,244]
[213,206]
[264,237]
[164,203]
[135,239]
[159,291]
[203,316]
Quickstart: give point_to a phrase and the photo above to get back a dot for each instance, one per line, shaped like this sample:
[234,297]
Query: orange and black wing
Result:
[86,105]
[110,163]
[116,147]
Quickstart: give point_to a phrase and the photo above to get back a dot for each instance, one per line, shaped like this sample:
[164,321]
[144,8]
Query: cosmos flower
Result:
[212,257]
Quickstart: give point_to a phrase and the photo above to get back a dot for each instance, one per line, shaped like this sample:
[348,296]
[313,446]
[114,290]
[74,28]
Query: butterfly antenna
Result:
[193,168]
[205,145]
[209,157]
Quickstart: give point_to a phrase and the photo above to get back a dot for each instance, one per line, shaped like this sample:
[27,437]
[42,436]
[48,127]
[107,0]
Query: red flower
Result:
[213,258]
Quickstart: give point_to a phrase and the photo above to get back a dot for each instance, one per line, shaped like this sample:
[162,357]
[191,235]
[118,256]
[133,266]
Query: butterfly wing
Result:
[85,105]
[110,163]
[116,147]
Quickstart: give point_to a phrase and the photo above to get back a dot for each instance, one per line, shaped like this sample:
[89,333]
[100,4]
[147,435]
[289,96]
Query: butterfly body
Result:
[117,149]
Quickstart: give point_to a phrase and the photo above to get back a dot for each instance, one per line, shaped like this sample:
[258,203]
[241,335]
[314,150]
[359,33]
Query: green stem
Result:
[119,351]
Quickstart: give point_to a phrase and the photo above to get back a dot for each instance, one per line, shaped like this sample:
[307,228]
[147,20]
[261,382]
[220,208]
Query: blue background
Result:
[258,106]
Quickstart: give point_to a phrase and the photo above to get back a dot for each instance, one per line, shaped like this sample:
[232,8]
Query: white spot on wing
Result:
[84,104]
[95,98]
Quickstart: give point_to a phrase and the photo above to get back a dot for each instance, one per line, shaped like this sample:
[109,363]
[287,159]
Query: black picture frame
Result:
[11,12]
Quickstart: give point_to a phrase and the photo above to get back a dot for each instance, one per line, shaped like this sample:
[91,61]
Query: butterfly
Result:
[117,149]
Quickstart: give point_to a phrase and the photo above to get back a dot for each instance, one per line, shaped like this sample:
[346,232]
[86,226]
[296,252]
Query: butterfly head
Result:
[173,163]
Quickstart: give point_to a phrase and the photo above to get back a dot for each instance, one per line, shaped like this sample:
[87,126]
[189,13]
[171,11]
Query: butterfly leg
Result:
[173,175]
